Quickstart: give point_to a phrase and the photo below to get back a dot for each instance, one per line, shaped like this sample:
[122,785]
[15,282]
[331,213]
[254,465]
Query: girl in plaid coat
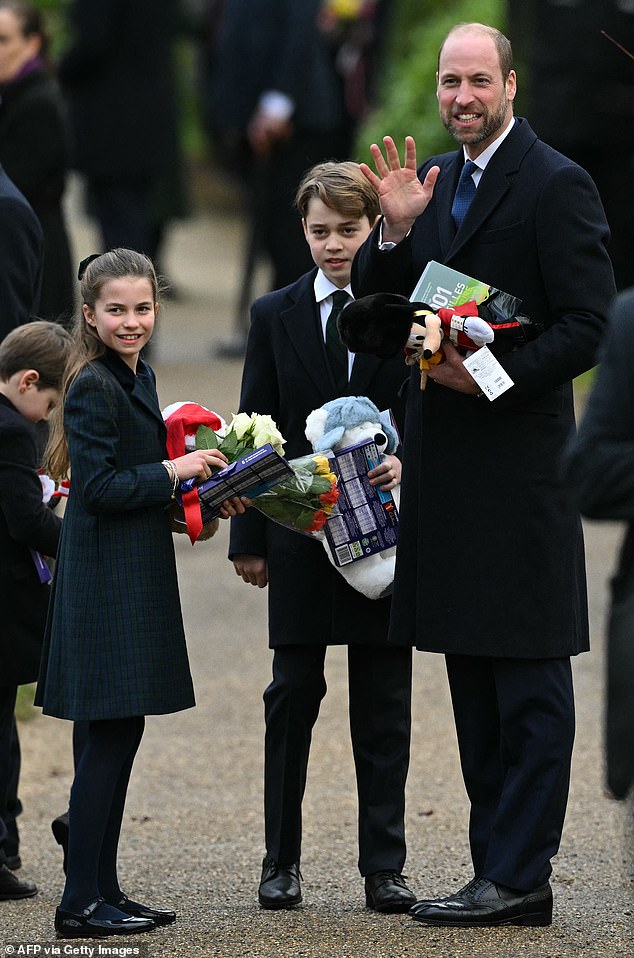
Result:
[115,647]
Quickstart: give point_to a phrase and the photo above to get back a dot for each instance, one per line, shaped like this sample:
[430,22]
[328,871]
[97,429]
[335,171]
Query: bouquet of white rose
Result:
[301,502]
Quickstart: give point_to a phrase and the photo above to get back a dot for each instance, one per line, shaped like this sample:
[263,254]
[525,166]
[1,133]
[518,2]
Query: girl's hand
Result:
[200,464]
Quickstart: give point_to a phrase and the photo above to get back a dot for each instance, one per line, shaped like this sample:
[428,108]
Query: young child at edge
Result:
[32,361]
[114,649]
[288,372]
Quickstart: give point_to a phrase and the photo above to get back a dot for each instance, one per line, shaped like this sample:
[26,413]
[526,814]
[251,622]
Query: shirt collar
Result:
[324,288]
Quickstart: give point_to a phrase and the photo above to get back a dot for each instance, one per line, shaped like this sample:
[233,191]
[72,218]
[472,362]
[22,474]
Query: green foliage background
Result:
[407,92]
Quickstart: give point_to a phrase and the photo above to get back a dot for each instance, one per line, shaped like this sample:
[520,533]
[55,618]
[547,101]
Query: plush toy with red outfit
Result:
[384,324]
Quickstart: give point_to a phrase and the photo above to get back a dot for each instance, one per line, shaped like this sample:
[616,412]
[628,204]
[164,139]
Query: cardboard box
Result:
[365,520]
[249,476]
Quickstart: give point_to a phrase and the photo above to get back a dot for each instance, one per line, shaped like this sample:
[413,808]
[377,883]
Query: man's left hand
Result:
[452,372]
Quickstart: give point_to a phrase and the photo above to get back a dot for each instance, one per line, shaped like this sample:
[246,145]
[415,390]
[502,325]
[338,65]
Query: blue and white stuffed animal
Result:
[336,425]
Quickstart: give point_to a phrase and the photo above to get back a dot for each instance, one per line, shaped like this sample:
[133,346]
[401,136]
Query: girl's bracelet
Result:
[173,474]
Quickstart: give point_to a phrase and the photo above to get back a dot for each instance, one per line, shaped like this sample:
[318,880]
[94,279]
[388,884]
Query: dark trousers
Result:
[515,725]
[379,684]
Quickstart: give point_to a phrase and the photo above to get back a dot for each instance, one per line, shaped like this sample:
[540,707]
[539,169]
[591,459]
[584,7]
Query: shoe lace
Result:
[271,868]
[390,877]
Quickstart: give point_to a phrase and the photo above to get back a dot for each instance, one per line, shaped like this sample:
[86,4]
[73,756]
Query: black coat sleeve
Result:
[27,519]
[599,460]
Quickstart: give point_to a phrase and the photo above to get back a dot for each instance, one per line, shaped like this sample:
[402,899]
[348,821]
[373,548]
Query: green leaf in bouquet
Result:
[320,485]
[206,438]
[233,447]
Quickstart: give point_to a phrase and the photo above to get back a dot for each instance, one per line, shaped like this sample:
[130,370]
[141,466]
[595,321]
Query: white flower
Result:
[265,430]
[240,424]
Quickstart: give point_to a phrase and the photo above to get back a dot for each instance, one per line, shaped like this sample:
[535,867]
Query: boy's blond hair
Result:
[340,186]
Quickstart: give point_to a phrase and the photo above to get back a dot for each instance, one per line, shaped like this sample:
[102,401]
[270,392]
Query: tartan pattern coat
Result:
[115,645]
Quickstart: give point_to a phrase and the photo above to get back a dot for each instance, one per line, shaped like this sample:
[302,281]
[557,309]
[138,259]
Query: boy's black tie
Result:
[464,193]
[335,350]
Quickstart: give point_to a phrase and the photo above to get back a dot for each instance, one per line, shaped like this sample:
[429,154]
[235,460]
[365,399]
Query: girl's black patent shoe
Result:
[159,916]
[85,925]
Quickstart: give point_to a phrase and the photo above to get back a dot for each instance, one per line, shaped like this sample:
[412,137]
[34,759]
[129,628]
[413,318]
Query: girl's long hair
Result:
[87,346]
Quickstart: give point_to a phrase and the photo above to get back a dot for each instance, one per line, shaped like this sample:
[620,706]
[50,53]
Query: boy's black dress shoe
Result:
[70,925]
[387,892]
[12,889]
[136,910]
[279,885]
[483,903]
[59,827]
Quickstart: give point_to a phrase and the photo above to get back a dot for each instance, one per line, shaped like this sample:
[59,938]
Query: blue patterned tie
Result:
[464,194]
[336,351]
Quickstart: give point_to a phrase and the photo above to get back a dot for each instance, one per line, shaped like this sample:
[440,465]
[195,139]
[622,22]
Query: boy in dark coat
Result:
[289,371]
[32,359]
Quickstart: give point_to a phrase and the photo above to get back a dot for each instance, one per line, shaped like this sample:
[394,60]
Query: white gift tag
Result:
[490,376]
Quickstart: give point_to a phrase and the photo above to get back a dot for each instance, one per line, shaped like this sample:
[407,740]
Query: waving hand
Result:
[402,195]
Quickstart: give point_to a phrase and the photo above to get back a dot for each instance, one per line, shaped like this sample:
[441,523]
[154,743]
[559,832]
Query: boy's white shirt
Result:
[323,297]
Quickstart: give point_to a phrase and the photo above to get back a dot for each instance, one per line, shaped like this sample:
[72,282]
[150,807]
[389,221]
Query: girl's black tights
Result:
[97,800]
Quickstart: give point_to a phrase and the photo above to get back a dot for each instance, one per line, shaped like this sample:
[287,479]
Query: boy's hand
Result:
[402,195]
[234,507]
[387,474]
[252,569]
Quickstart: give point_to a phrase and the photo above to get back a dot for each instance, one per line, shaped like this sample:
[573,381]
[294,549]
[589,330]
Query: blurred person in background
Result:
[285,85]
[21,255]
[590,121]
[118,74]
[35,145]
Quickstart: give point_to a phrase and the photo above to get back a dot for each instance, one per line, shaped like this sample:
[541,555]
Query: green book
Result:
[440,286]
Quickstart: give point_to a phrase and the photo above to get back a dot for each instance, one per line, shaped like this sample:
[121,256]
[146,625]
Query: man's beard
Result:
[492,123]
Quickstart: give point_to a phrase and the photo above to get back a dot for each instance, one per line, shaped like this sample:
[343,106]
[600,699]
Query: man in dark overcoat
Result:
[599,465]
[286,375]
[493,575]
[21,256]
